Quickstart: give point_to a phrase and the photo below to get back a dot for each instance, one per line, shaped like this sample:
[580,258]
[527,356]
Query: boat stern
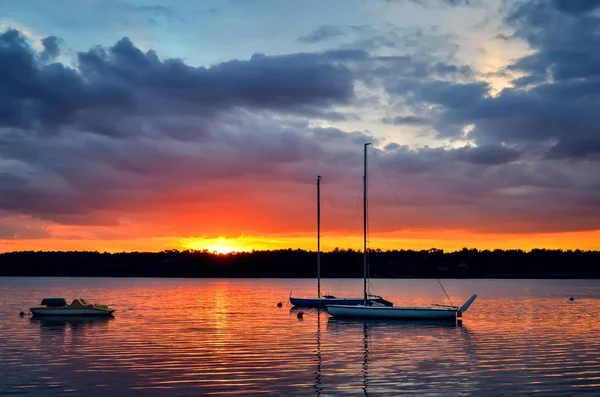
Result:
[466,305]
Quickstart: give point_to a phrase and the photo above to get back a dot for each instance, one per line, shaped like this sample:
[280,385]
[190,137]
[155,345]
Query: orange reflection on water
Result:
[228,336]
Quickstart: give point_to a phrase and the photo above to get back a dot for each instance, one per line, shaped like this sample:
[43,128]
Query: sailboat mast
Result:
[365,226]
[318,236]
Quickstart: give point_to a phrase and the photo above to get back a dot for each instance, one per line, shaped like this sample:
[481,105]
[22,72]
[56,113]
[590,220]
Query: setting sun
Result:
[221,249]
[220,245]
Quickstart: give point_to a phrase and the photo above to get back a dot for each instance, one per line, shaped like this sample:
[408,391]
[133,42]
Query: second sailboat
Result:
[324,300]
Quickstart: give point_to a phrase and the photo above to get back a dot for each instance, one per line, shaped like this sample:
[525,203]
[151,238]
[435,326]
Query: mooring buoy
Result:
[21,314]
[279,304]
[571,299]
[300,315]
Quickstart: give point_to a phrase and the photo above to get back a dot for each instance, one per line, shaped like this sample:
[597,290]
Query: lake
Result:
[173,337]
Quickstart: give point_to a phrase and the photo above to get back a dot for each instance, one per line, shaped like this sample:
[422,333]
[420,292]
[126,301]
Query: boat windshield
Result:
[54,302]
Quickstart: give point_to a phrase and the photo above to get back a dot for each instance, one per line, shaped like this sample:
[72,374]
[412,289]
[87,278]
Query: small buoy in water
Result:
[279,304]
[21,314]
[571,299]
[300,315]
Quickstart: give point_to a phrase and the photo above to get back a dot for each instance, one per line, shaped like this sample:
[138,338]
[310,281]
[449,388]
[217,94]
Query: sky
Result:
[152,125]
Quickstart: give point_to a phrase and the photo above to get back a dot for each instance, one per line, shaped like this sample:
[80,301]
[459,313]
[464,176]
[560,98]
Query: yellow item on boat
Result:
[80,303]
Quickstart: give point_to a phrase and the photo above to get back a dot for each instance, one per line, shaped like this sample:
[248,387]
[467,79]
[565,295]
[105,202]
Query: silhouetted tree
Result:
[538,263]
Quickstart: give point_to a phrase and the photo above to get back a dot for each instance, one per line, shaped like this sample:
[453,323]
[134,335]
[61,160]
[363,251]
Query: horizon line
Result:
[334,250]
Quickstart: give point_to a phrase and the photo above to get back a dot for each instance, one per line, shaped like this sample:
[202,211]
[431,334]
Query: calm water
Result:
[210,337]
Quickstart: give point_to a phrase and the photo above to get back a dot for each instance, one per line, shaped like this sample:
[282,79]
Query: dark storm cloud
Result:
[565,65]
[51,47]
[565,45]
[577,6]
[123,133]
[431,158]
[576,150]
[447,94]
[396,68]
[122,78]
[488,155]
[556,100]
[59,159]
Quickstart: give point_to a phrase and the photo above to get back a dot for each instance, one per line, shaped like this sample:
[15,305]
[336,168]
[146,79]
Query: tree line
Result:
[468,263]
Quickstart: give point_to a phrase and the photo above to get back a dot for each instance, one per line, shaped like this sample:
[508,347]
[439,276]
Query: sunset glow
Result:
[219,245]
[130,127]
[446,240]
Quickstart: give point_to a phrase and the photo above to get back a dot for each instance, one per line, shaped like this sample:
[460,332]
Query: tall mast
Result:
[365,226]
[318,236]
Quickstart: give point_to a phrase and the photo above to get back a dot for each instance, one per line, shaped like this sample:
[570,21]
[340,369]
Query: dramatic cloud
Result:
[120,136]
[491,155]
[21,227]
[51,48]
[577,7]
[554,102]
[123,81]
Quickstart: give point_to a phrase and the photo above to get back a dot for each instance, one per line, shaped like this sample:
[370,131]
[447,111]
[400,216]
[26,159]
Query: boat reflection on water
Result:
[318,386]
[55,331]
[414,347]
[357,322]
[375,361]
[369,325]
[61,322]
[365,365]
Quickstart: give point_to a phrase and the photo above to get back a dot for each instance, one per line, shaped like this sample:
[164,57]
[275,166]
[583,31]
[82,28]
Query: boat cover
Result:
[54,302]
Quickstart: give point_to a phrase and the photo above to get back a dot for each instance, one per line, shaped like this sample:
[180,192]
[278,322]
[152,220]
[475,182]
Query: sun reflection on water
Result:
[215,336]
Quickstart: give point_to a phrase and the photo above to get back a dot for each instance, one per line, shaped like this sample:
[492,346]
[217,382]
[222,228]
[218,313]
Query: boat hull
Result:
[408,313]
[68,311]
[323,302]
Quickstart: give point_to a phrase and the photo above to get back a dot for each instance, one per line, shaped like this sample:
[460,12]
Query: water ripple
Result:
[224,337]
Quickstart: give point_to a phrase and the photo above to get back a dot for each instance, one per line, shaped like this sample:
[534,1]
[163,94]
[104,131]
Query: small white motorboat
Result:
[79,307]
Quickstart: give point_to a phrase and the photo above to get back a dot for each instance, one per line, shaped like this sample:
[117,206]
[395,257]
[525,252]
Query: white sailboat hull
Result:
[398,312]
[394,312]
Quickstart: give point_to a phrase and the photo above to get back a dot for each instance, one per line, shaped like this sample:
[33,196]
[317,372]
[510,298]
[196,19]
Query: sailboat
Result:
[369,309]
[324,300]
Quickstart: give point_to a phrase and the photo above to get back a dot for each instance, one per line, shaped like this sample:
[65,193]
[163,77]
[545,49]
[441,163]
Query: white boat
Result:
[377,311]
[397,312]
[323,300]
[79,307]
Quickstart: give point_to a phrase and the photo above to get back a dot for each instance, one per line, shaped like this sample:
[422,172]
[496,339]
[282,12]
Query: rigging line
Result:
[443,289]
[398,203]
[354,217]
[338,219]
[392,190]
